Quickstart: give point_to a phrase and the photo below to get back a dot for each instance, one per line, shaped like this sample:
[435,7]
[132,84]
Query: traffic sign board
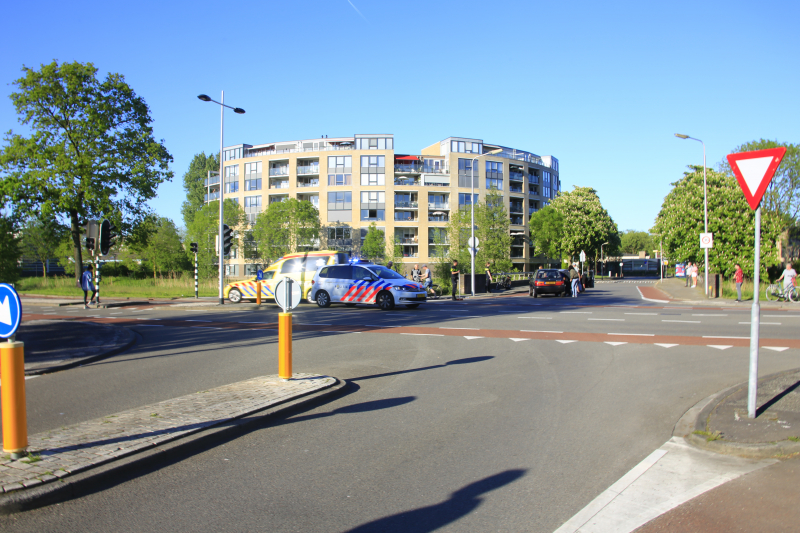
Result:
[754,171]
[259,274]
[10,310]
[706,240]
[583,256]
[470,244]
[287,294]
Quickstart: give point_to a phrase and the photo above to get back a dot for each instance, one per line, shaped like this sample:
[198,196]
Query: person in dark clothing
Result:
[489,279]
[454,273]
[87,285]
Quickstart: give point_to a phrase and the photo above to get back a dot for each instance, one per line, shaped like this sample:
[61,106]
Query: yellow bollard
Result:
[15,417]
[258,293]
[285,345]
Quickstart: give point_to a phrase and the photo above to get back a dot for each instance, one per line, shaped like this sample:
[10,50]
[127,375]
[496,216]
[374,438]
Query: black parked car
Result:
[549,281]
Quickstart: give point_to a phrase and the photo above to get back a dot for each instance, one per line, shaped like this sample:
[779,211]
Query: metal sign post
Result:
[196,292]
[754,171]
[12,368]
[287,296]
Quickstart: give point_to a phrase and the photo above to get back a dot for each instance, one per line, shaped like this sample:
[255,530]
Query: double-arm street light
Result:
[705,207]
[473,248]
[240,111]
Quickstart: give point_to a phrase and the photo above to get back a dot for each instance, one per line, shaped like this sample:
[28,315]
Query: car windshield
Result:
[385,273]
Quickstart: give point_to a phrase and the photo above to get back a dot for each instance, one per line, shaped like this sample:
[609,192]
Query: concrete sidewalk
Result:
[676,290]
[77,452]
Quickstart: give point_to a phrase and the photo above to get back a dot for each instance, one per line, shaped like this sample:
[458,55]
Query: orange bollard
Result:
[285,345]
[15,417]
[258,293]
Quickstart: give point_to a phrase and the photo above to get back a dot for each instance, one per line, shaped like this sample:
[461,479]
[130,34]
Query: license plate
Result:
[550,283]
[420,296]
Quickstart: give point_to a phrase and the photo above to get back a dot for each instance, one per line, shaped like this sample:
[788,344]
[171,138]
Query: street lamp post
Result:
[602,271]
[240,111]
[473,248]
[705,207]
[661,257]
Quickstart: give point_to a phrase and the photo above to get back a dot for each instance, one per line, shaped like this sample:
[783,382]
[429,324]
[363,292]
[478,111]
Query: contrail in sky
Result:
[357,11]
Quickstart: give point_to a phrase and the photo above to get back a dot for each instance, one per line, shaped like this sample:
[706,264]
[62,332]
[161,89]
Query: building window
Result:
[465,169]
[279,168]
[339,180]
[230,155]
[342,232]
[340,201]
[231,270]
[373,170]
[466,147]
[231,179]
[252,176]
[252,207]
[546,190]
[340,170]
[375,143]
[463,199]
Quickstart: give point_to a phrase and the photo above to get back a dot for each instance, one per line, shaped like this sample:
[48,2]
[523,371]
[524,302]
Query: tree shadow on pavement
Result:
[410,370]
[433,517]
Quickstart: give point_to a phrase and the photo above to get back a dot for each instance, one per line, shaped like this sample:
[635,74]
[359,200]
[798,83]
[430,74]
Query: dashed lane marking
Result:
[776,348]
[608,319]
[616,343]
[562,341]
[720,346]
[517,340]
[683,321]
[664,345]
[469,338]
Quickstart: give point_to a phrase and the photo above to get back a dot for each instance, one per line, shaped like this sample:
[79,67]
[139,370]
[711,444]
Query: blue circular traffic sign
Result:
[260,275]
[10,310]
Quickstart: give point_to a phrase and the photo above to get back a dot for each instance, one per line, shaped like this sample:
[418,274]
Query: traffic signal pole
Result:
[195,276]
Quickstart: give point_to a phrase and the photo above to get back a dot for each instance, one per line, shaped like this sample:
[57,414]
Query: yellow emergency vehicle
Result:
[301,267]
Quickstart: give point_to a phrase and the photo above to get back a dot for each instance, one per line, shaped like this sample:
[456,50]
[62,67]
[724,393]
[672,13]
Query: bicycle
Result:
[434,292]
[504,282]
[775,292]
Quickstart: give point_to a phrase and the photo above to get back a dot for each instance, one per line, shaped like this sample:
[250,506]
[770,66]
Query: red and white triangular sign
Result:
[754,170]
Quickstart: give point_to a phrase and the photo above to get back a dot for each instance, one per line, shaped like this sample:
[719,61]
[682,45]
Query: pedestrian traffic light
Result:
[89,243]
[193,247]
[227,237]
[108,234]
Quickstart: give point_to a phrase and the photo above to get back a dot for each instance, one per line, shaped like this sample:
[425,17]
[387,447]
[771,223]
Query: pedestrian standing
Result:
[87,285]
[687,273]
[574,279]
[416,273]
[738,278]
[489,279]
[694,276]
[454,273]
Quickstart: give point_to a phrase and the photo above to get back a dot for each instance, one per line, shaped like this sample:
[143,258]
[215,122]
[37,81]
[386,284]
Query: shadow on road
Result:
[432,517]
[410,370]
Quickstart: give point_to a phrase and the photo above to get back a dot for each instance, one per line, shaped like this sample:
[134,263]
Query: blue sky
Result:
[601,86]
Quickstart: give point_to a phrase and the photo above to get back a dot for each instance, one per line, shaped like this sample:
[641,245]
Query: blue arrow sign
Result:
[260,275]
[10,310]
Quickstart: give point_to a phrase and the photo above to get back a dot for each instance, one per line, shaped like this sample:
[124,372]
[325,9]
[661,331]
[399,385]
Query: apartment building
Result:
[355,181]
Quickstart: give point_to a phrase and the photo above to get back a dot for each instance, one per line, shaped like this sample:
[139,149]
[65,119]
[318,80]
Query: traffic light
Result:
[193,247]
[108,233]
[89,243]
[227,236]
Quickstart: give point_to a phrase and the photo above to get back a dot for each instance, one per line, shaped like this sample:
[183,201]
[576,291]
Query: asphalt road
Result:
[500,414]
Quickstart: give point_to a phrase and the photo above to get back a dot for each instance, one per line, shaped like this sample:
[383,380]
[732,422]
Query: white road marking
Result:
[635,334]
[565,342]
[517,340]
[697,314]
[615,343]
[539,331]
[720,346]
[648,314]
[776,348]
[470,338]
[120,311]
[764,323]
[473,329]
[722,337]
[684,321]
[665,345]
[609,319]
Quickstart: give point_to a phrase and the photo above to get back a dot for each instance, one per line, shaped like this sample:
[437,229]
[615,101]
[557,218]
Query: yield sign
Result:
[754,170]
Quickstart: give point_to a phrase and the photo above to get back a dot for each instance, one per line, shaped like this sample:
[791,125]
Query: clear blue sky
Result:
[601,86]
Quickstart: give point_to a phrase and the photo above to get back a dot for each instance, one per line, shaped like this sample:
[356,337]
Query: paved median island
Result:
[60,453]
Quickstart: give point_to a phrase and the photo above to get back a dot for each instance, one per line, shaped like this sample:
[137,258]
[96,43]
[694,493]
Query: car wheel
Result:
[235,296]
[412,306]
[385,301]
[323,299]
[350,305]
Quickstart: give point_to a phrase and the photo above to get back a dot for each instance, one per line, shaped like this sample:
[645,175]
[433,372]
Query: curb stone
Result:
[696,419]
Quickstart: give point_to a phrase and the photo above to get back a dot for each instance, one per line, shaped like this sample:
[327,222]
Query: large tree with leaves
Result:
[633,241]
[493,233]
[91,152]
[205,228]
[157,241]
[587,224]
[374,247]
[730,219]
[782,197]
[40,239]
[9,251]
[194,184]
[547,231]
[285,227]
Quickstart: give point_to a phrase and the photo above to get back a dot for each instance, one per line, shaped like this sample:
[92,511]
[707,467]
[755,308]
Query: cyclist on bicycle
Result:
[425,277]
[789,275]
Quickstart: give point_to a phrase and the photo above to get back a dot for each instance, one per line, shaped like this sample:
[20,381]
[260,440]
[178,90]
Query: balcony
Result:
[279,171]
[438,218]
[533,180]
[515,188]
[308,170]
[275,184]
[531,210]
[212,196]
[408,168]
[516,176]
[308,183]
[213,181]
[433,206]
[516,208]
[406,205]
[406,217]
[516,220]
[517,253]
[413,241]
[406,182]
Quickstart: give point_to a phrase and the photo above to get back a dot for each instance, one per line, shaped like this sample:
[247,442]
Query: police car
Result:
[364,283]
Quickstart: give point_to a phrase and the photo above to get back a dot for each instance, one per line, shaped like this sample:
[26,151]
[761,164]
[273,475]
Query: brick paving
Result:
[80,447]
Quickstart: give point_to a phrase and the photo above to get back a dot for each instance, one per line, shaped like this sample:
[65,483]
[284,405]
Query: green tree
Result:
[782,197]
[205,228]
[632,242]
[547,231]
[374,247]
[730,219]
[286,227]
[91,152]
[157,241]
[458,234]
[394,252]
[194,184]
[40,238]
[493,233]
[587,224]
[9,251]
